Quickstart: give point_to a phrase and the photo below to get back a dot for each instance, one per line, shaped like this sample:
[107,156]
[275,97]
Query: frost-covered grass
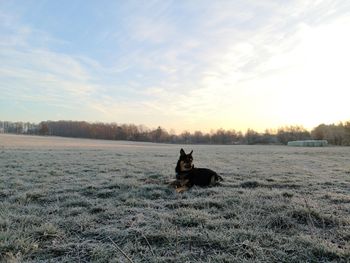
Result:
[73,200]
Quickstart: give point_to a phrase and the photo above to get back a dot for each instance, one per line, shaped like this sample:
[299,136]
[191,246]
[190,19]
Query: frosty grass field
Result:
[76,200]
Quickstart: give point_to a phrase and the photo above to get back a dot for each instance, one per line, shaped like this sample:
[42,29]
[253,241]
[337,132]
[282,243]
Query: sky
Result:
[182,65]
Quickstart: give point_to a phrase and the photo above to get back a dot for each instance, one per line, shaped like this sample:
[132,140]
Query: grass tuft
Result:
[280,222]
[314,218]
[250,184]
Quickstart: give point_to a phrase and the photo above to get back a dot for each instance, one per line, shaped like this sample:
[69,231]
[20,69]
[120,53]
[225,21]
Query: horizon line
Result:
[172,131]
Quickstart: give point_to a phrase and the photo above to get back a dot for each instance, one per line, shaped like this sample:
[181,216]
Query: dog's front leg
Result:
[182,189]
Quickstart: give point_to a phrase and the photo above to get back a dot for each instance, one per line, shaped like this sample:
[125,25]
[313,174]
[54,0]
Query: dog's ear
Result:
[191,152]
[182,152]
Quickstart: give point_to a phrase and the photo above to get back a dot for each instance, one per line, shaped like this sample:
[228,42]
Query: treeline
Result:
[336,134]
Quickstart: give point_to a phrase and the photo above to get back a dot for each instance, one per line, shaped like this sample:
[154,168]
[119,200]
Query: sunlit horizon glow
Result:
[181,65]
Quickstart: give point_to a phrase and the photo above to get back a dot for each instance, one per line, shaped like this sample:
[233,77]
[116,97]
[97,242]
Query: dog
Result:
[187,175]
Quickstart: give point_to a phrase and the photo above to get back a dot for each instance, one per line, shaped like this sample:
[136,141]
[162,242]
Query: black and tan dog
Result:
[187,175]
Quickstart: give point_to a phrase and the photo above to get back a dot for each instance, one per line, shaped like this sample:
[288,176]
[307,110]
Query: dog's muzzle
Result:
[187,165]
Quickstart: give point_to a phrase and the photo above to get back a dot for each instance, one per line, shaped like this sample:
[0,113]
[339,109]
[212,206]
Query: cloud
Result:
[33,73]
[43,71]
[147,30]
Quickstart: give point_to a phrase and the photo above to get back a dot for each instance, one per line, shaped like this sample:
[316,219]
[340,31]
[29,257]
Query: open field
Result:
[76,200]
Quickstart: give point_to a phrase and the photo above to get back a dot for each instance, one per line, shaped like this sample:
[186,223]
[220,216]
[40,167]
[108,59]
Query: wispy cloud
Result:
[261,73]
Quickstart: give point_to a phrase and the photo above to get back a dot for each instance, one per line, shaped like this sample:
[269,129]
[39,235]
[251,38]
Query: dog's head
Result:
[185,161]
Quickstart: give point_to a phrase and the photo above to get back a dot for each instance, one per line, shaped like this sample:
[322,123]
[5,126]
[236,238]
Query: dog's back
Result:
[203,177]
